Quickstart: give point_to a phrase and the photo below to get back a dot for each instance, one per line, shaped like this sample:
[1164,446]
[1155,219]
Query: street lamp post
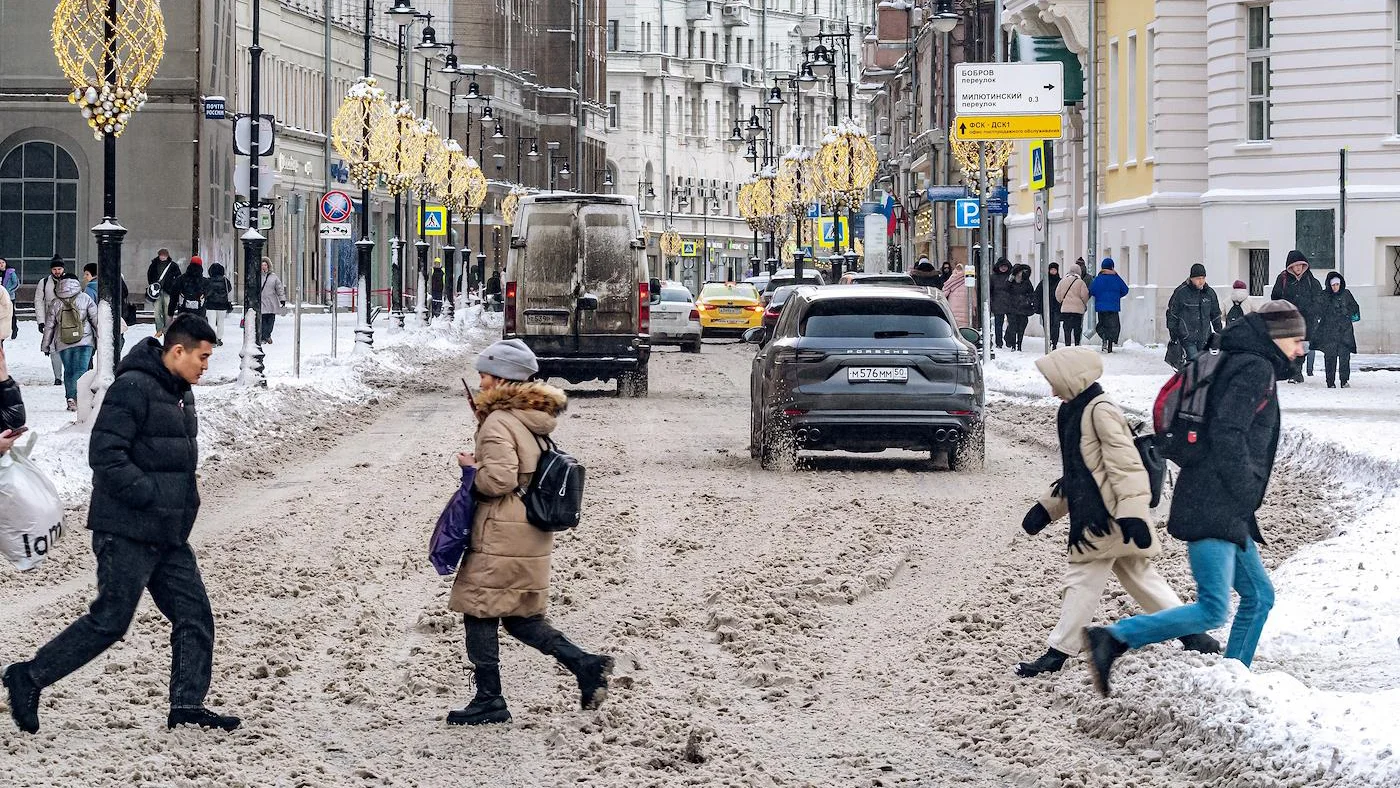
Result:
[430,45]
[109,59]
[560,173]
[449,249]
[252,371]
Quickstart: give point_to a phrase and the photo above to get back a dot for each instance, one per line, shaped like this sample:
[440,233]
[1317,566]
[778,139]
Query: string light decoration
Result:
[511,204]
[768,209]
[454,194]
[670,243]
[797,181]
[432,179]
[997,154]
[848,162]
[476,185]
[395,147]
[745,204]
[109,51]
[366,106]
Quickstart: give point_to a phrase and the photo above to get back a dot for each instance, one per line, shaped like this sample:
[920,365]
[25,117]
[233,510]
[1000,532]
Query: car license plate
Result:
[545,319]
[731,310]
[877,374]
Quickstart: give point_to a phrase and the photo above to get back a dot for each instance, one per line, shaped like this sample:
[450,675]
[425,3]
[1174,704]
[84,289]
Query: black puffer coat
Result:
[1303,292]
[1217,497]
[1054,280]
[1334,326]
[11,405]
[144,452]
[1193,315]
[1001,287]
[1020,298]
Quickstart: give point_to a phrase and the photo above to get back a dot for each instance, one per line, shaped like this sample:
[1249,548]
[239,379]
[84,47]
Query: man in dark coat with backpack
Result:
[144,453]
[1219,491]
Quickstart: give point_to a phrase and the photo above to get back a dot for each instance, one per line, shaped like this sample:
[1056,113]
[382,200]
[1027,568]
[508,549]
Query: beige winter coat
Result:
[507,571]
[1106,444]
[7,313]
[1072,293]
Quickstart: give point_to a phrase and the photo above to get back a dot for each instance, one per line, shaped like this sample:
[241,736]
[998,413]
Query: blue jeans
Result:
[75,364]
[1217,566]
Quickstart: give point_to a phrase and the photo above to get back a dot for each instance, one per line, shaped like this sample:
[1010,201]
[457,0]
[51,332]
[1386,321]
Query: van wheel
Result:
[691,347]
[633,383]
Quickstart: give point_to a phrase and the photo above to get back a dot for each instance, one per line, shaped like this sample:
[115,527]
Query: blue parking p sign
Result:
[969,215]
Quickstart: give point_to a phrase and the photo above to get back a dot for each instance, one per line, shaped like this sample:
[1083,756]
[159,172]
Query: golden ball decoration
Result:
[670,243]
[509,206]
[108,97]
[365,107]
[996,154]
[476,186]
[848,163]
[797,181]
[396,147]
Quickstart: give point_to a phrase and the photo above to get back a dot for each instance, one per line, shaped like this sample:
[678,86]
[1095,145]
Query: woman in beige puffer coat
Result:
[504,578]
[1105,492]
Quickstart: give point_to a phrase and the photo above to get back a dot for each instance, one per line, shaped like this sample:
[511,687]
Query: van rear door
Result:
[549,282]
[610,270]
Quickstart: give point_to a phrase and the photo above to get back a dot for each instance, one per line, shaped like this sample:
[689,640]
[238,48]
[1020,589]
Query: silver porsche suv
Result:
[865,369]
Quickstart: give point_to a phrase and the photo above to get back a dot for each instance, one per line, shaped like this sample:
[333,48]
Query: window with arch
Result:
[38,208]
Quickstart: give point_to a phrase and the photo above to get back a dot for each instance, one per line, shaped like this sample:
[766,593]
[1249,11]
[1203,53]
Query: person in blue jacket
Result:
[1108,290]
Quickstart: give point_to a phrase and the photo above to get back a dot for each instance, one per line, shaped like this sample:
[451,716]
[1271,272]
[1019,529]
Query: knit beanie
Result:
[1239,292]
[1283,320]
[510,359]
[1197,270]
[1107,264]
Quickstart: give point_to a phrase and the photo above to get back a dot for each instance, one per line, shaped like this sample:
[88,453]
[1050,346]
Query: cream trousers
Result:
[1084,584]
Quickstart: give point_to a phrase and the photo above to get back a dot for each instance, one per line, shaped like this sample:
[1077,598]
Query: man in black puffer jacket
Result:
[1215,500]
[143,453]
[11,407]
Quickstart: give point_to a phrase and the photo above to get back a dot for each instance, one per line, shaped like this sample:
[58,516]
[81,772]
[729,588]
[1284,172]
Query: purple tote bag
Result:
[453,533]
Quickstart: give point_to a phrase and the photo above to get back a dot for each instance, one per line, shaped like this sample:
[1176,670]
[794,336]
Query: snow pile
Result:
[1320,704]
[234,419]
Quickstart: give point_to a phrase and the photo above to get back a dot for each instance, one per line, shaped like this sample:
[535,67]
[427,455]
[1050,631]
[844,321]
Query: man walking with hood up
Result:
[145,497]
[504,579]
[1216,498]
[1104,489]
[1297,285]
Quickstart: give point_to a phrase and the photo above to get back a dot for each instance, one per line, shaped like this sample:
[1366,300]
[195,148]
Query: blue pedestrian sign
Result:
[969,215]
[434,221]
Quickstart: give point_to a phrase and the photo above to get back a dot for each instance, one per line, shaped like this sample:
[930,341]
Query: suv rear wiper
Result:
[897,334]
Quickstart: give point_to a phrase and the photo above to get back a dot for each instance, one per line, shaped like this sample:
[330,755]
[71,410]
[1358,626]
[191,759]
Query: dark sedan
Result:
[864,369]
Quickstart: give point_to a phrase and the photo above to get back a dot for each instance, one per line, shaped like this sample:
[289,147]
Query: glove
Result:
[1137,531]
[1036,520]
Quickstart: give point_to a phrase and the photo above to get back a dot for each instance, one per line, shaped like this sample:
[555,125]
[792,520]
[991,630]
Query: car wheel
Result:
[755,434]
[691,347]
[778,451]
[970,453]
[641,381]
[626,385]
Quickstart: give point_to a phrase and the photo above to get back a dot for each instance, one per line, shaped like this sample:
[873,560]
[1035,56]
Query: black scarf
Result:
[1077,485]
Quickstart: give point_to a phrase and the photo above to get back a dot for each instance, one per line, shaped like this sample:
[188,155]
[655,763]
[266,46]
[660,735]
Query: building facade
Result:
[1221,126]
[682,74]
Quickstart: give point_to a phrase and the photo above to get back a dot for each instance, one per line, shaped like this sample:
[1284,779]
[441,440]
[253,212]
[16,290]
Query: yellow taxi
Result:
[728,309]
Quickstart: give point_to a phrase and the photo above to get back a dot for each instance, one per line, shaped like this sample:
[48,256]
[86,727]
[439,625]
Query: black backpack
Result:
[1179,415]
[1152,460]
[554,500]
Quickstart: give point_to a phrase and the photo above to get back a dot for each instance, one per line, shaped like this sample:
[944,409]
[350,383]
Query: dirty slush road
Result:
[853,623]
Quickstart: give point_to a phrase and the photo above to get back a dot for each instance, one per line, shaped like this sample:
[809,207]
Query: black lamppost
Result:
[488,120]
[364,248]
[521,155]
[252,372]
[449,249]
[603,180]
[405,14]
[429,44]
[557,174]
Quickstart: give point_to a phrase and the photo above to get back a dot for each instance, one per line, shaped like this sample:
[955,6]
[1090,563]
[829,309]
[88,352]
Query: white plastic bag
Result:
[31,513]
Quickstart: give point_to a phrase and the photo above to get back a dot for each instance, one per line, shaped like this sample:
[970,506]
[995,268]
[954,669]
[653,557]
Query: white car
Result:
[675,319]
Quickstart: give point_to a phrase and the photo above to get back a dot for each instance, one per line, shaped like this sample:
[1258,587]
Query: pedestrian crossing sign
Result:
[1042,165]
[833,229]
[433,221]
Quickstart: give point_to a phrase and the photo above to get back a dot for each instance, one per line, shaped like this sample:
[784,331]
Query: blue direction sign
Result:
[946,193]
[968,214]
[997,201]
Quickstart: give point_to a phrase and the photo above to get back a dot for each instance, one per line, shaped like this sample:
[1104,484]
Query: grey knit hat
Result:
[508,359]
[1283,320]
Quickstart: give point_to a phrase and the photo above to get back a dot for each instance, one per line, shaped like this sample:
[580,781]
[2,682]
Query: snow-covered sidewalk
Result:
[1327,678]
[231,417]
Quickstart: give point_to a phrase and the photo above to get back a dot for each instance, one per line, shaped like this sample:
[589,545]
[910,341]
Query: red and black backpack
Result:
[1179,420]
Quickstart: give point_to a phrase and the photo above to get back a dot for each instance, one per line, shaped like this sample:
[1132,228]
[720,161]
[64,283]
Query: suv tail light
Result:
[643,308]
[694,314]
[799,357]
[774,311]
[510,307]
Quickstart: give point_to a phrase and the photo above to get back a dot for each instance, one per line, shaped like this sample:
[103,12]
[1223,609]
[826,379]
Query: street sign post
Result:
[968,214]
[1042,241]
[240,216]
[1010,88]
[1010,127]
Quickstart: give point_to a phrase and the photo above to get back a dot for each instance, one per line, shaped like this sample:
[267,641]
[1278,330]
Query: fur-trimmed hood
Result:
[536,404]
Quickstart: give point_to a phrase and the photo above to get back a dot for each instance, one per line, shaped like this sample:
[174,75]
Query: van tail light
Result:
[695,314]
[644,308]
[773,312]
[510,307]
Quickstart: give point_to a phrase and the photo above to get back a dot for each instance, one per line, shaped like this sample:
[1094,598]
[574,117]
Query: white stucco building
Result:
[1220,130]
[681,73]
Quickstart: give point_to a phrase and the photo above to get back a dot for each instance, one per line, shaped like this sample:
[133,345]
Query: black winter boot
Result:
[204,718]
[488,707]
[1104,648]
[1049,662]
[1200,643]
[592,673]
[24,697]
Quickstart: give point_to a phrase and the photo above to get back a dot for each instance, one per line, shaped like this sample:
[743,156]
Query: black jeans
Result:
[1334,361]
[1109,327]
[484,648]
[999,321]
[1074,328]
[125,568]
[266,322]
[1016,330]
[1054,327]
